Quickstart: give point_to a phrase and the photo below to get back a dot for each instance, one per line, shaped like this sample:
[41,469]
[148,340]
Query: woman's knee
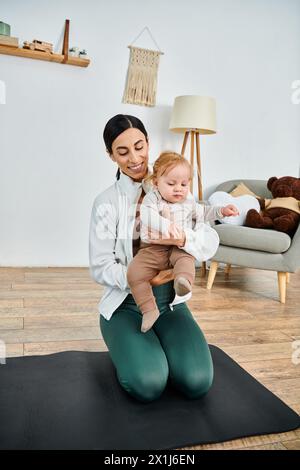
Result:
[145,386]
[195,384]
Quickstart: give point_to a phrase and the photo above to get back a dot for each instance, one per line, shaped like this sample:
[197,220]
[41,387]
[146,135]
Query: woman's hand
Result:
[162,277]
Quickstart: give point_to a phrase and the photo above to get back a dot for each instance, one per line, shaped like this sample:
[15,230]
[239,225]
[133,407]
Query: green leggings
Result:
[174,349]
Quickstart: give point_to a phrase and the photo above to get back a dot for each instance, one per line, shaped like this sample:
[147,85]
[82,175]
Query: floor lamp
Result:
[192,116]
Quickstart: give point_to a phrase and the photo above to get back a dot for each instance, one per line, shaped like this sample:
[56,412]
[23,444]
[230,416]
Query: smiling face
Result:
[173,185]
[130,152]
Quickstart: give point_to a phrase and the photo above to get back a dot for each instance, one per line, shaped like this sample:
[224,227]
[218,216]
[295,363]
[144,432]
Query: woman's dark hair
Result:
[118,124]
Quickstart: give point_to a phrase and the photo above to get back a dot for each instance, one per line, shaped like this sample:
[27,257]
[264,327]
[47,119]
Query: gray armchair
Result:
[256,248]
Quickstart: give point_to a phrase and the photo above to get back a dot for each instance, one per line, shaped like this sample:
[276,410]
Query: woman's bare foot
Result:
[182,286]
[149,318]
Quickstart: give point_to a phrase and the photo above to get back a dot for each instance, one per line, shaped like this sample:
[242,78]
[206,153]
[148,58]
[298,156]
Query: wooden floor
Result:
[46,310]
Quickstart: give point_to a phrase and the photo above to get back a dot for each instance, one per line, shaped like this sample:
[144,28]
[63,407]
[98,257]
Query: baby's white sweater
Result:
[185,214]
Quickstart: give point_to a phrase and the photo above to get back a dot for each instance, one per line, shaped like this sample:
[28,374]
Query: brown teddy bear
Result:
[281,213]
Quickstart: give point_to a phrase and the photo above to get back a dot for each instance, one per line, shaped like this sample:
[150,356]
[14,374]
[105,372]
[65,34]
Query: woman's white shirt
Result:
[110,241]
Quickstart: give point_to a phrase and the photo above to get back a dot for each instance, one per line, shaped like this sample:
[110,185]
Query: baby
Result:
[168,208]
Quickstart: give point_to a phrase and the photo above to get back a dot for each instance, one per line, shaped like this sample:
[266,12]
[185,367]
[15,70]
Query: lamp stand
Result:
[195,139]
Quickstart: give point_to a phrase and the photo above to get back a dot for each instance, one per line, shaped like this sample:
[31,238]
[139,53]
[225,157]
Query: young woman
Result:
[175,348]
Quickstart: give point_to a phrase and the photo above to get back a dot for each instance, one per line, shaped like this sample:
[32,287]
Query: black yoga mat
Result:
[72,400]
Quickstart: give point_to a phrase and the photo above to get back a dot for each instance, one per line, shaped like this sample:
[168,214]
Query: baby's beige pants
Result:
[149,261]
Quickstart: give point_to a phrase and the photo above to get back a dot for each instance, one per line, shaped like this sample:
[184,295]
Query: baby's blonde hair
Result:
[166,162]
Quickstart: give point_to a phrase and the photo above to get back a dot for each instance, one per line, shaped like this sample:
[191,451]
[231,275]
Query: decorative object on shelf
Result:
[9,41]
[4,29]
[74,51]
[37,51]
[83,54]
[141,82]
[37,45]
[5,37]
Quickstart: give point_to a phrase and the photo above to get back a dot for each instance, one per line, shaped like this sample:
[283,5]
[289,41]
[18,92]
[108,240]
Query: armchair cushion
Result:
[241,189]
[253,239]
[243,203]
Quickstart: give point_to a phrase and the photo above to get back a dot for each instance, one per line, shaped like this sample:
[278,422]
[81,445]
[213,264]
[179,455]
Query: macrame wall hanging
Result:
[141,82]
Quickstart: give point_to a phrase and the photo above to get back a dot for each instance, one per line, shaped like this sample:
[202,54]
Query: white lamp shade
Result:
[194,113]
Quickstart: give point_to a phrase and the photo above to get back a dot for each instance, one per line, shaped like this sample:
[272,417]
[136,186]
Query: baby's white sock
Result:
[182,286]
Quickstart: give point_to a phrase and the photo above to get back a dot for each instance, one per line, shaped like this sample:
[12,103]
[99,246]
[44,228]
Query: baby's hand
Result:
[174,231]
[229,210]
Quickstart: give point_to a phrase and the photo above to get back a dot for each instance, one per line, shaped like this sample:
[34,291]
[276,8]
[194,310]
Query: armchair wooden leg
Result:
[282,285]
[287,277]
[212,274]
[227,269]
[203,269]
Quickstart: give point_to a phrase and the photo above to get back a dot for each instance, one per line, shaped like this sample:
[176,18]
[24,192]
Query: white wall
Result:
[245,53]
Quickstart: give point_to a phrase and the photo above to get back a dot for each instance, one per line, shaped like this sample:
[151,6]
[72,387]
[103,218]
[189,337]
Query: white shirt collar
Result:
[127,184]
